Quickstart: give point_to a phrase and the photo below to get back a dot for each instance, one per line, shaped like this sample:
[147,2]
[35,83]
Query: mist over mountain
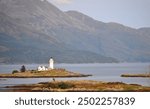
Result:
[32,31]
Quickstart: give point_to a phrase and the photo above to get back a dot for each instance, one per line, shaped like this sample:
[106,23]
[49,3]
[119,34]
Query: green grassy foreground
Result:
[80,86]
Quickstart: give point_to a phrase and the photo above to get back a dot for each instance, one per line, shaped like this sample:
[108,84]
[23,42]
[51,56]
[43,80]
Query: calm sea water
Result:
[101,72]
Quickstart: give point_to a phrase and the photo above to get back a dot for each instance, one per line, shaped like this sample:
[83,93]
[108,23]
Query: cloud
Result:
[61,2]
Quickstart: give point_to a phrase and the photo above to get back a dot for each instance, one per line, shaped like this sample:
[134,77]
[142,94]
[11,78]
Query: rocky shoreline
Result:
[78,86]
[56,73]
[136,75]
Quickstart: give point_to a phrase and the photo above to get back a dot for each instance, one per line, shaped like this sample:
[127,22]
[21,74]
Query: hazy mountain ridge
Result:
[33,30]
[119,41]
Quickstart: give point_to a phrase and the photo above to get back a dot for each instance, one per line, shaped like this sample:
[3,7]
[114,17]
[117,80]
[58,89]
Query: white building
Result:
[51,63]
[51,66]
[42,68]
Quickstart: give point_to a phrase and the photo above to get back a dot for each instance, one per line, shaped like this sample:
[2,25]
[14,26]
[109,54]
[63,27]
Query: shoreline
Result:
[56,73]
[45,76]
[78,86]
[136,75]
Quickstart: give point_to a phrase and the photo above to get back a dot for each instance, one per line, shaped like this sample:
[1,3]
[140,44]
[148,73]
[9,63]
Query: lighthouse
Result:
[51,63]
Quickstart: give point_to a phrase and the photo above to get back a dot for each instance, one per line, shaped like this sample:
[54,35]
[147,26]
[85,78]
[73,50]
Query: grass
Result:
[59,85]
[146,75]
[82,86]
[39,74]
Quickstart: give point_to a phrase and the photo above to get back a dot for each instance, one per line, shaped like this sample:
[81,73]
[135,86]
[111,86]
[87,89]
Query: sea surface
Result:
[109,72]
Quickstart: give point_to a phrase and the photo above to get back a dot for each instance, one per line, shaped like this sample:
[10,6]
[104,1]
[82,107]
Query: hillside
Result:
[31,31]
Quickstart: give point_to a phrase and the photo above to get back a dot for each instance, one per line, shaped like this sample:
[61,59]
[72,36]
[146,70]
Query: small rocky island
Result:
[42,72]
[55,73]
[137,75]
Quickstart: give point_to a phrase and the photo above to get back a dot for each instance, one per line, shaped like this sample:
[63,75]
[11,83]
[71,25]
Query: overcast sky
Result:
[133,13]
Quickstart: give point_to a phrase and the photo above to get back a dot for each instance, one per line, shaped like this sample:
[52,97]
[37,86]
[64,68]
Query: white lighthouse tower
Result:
[51,63]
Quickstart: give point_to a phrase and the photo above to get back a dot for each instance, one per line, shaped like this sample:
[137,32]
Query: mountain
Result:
[31,31]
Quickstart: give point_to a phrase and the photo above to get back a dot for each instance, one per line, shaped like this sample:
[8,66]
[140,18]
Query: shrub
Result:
[63,85]
[34,71]
[15,71]
[60,85]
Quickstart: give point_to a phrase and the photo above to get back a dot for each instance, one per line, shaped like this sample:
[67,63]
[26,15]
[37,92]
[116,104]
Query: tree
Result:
[14,71]
[23,69]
